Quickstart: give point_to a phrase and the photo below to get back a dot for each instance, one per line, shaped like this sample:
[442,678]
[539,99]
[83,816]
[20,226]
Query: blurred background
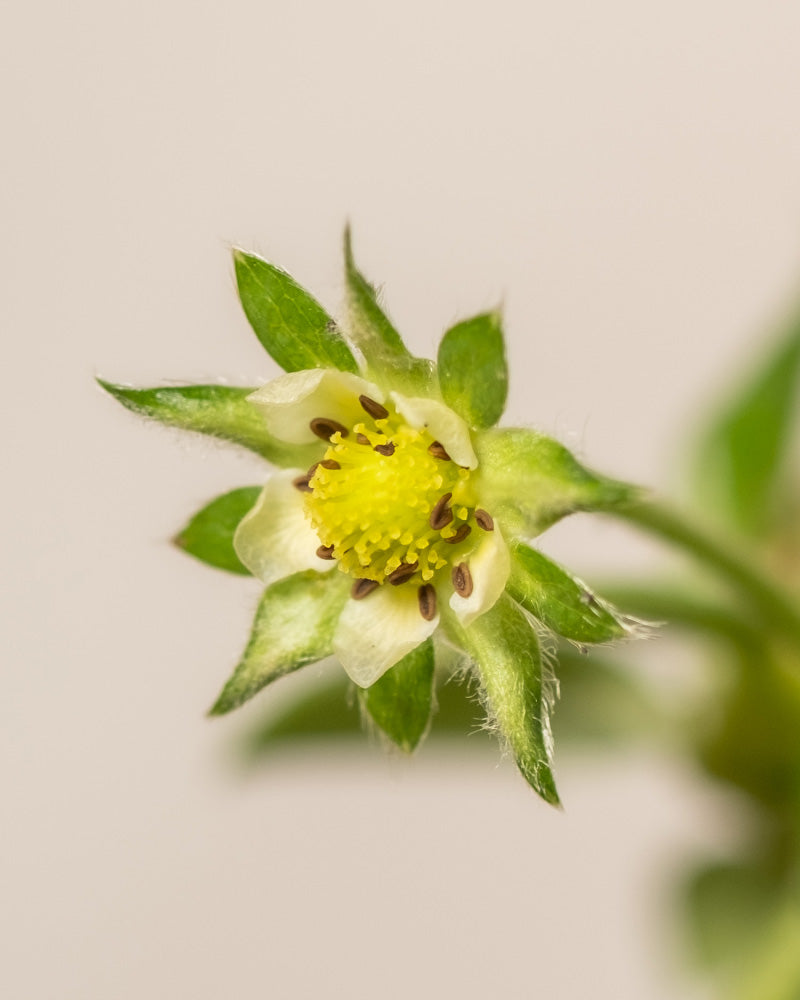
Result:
[624,178]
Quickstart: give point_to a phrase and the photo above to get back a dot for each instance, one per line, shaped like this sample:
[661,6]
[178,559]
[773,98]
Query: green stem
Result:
[773,604]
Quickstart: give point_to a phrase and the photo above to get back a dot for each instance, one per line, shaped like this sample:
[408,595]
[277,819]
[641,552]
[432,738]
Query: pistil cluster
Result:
[390,505]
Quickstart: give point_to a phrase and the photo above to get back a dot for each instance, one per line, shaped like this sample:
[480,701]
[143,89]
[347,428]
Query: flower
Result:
[395,530]
[392,503]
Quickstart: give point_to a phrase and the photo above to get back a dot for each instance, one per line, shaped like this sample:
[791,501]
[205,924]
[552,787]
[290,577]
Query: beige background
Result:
[625,177]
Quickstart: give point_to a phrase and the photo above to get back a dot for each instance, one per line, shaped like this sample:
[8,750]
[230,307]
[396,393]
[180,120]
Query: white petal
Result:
[290,402]
[274,539]
[489,566]
[376,632]
[440,421]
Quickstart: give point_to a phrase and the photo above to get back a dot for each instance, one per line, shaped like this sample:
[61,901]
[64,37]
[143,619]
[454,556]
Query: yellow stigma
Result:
[379,500]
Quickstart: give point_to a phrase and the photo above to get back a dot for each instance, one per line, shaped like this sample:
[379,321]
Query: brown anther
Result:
[325,552]
[329,463]
[485,521]
[403,572]
[312,470]
[373,408]
[325,428]
[363,439]
[301,483]
[426,595]
[442,514]
[385,449]
[361,588]
[437,450]
[462,579]
[460,535]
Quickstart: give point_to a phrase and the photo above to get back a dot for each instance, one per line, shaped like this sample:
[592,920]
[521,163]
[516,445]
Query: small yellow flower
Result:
[398,520]
[393,503]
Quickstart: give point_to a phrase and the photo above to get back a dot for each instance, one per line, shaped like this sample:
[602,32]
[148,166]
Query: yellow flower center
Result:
[387,502]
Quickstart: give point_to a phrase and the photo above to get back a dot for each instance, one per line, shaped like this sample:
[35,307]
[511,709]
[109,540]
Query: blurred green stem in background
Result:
[776,607]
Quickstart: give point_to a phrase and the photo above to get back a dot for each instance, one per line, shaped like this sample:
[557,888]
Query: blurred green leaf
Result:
[218,410]
[530,481]
[685,606]
[505,650]
[291,325]
[561,602]
[400,702]
[603,705]
[727,905]
[329,713]
[769,969]
[209,535]
[293,626]
[387,357]
[740,466]
[753,741]
[473,374]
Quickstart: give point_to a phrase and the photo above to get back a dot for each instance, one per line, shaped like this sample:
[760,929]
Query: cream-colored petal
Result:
[274,539]
[442,423]
[290,402]
[376,632]
[489,566]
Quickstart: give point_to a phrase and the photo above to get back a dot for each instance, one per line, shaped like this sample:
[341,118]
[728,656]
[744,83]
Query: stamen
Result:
[441,515]
[462,579]
[325,552]
[384,449]
[329,463]
[403,572]
[301,483]
[485,521]
[426,595]
[361,588]
[312,470]
[373,408]
[459,536]
[325,428]
[363,439]
[437,450]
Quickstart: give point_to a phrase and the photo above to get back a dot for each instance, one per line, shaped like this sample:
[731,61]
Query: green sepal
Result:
[561,602]
[221,411]
[505,650]
[293,626]
[531,481]
[291,325]
[473,374]
[209,534]
[741,464]
[388,361]
[400,702]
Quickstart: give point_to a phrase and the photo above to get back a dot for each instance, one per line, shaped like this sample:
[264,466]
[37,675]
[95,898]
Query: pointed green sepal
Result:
[293,626]
[209,535]
[531,481]
[473,374]
[505,650]
[741,465]
[291,325]
[400,701]
[220,411]
[560,601]
[387,358]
